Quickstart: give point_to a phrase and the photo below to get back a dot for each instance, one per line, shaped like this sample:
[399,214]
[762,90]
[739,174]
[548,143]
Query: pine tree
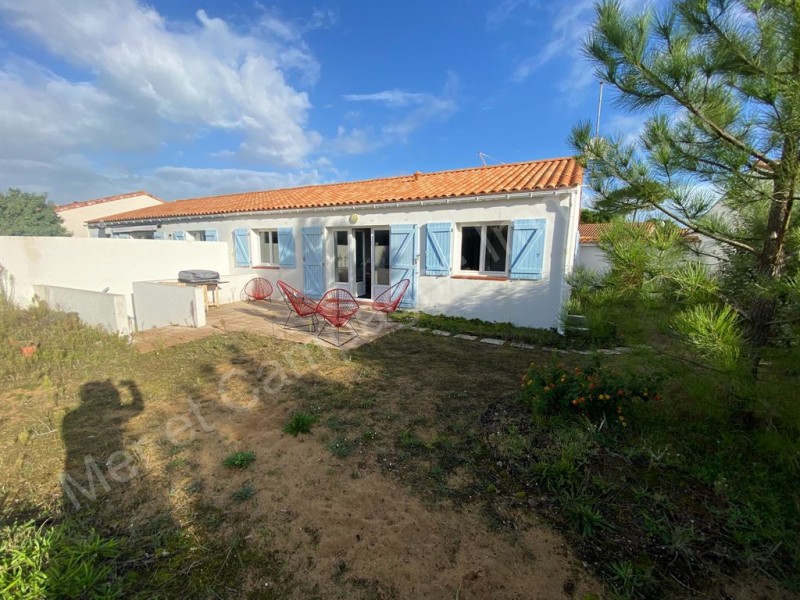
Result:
[719,81]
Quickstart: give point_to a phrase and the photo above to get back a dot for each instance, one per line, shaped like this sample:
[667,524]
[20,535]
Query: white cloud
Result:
[68,178]
[568,30]
[502,11]
[422,108]
[628,126]
[391,98]
[184,182]
[148,78]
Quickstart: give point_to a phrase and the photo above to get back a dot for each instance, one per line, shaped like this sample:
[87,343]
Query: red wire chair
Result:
[337,307]
[299,304]
[258,288]
[389,300]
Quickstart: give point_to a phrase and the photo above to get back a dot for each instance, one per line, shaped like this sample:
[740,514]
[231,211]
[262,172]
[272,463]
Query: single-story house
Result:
[76,214]
[492,242]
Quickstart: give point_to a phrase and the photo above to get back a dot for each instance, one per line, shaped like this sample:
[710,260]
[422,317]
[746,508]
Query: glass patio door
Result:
[380,262]
[361,262]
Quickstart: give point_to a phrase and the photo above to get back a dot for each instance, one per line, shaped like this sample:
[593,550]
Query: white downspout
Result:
[569,248]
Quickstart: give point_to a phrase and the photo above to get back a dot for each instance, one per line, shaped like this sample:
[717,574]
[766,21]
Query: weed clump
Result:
[239,460]
[301,422]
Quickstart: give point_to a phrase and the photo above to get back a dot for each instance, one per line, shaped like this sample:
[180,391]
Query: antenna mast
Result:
[599,107]
[483,156]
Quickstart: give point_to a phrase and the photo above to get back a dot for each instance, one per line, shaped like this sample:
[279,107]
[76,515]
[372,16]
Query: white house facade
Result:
[493,243]
[75,215]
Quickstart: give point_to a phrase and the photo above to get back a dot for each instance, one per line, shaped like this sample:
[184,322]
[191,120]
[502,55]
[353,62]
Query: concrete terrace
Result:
[265,318]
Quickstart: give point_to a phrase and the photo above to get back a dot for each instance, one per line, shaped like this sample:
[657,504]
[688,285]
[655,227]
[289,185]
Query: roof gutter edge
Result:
[513,196]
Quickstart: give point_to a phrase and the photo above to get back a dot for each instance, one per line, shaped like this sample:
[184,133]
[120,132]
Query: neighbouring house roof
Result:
[73,205]
[590,232]
[497,179]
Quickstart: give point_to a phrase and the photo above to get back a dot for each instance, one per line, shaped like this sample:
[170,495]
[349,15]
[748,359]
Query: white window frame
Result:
[198,235]
[482,257]
[275,251]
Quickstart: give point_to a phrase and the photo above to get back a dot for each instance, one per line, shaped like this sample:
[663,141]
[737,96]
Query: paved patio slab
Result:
[266,318]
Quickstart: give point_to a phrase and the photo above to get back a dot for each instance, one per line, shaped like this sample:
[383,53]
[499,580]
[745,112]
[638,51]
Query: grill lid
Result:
[198,276]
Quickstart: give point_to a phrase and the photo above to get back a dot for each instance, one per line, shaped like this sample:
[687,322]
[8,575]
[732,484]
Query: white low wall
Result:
[159,304]
[108,311]
[96,264]
[591,257]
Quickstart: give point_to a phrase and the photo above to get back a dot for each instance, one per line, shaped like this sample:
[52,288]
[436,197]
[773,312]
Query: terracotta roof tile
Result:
[72,205]
[497,179]
[590,232]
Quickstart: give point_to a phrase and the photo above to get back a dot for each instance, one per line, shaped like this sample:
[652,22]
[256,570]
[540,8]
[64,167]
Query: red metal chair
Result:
[258,288]
[299,304]
[389,300]
[337,307]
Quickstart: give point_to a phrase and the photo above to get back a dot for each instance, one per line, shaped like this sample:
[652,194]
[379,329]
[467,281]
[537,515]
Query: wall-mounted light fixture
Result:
[353,219]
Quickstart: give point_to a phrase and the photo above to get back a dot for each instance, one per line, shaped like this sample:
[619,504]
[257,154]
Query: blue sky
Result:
[196,98]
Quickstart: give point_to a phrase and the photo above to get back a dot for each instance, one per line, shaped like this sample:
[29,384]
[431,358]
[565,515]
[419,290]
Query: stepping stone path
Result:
[499,342]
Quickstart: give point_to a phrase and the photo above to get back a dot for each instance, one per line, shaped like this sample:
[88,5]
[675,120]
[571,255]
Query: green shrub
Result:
[239,460]
[53,561]
[596,392]
[300,423]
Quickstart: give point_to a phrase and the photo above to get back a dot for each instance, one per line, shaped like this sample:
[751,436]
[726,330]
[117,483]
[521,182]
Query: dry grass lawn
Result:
[375,502]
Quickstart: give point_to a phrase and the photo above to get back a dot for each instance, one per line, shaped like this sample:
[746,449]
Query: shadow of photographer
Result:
[96,459]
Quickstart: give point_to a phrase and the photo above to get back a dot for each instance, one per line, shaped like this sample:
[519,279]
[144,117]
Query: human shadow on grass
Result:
[96,459]
[105,488]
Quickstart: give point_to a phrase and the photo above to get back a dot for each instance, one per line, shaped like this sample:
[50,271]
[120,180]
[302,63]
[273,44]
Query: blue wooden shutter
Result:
[437,248]
[158,234]
[403,259]
[286,247]
[211,235]
[527,248]
[313,262]
[241,247]
[178,235]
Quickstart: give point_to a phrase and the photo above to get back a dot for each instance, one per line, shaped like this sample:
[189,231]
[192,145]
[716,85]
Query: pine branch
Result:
[717,129]
[701,231]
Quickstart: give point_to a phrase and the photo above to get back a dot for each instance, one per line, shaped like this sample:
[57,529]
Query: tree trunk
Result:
[771,261]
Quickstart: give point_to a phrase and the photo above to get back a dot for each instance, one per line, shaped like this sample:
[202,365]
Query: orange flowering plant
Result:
[595,391]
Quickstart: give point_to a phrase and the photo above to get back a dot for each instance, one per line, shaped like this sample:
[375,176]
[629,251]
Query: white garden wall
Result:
[97,264]
[108,311]
[159,304]
[591,257]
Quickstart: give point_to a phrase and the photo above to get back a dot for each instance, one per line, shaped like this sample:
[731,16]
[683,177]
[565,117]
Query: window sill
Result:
[481,277]
[268,267]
